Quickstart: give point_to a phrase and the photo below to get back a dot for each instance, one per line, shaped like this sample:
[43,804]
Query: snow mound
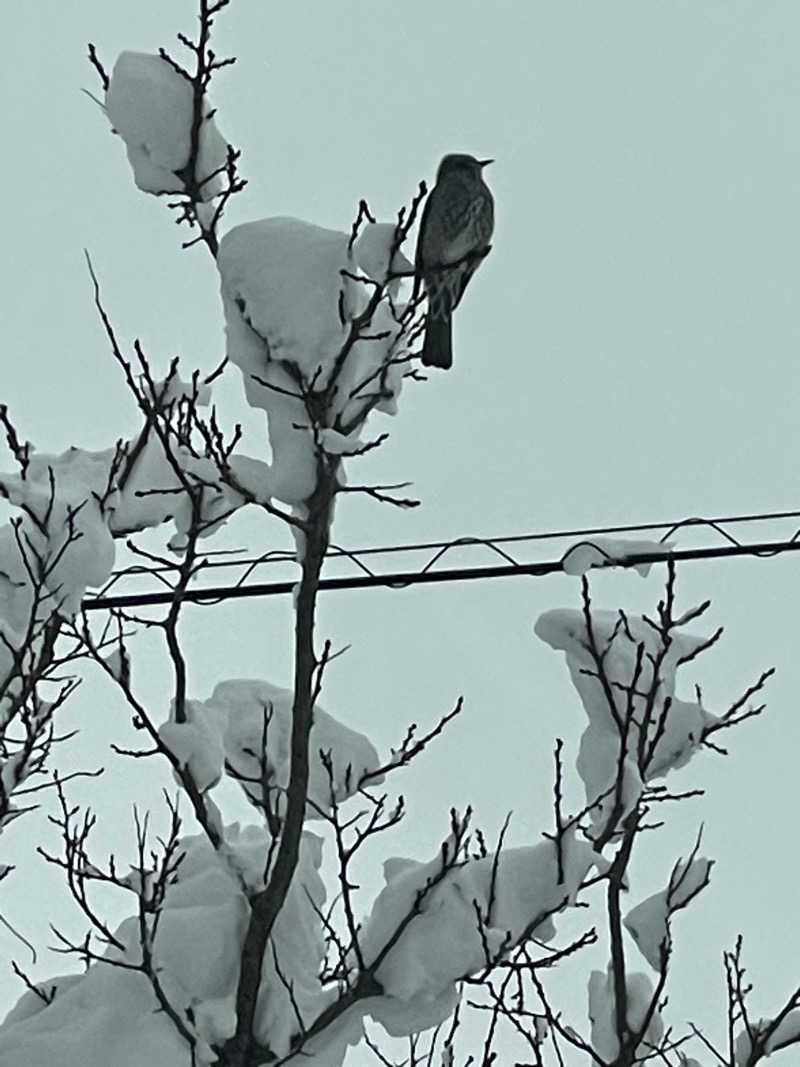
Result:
[291,291]
[65,504]
[648,922]
[244,718]
[787,1032]
[151,106]
[670,740]
[602,1004]
[443,942]
[110,1016]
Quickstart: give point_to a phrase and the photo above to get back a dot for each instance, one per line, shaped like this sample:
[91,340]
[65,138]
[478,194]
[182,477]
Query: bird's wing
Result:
[471,264]
[482,216]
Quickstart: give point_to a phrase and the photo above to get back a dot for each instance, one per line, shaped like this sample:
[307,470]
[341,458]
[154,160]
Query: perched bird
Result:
[454,236]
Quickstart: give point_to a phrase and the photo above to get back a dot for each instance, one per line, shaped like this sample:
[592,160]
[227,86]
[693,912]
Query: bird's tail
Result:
[437,348]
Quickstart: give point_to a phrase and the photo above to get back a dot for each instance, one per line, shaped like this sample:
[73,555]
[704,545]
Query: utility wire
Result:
[408,578]
[335,552]
[247,565]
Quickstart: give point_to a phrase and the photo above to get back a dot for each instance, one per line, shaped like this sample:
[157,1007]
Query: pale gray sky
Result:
[628,353]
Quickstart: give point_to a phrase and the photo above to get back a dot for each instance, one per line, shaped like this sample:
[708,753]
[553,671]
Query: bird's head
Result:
[461,161]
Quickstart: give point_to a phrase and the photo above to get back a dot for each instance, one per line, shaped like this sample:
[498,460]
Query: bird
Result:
[454,236]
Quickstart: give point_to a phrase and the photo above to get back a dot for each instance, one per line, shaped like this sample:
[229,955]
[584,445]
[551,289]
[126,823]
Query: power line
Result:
[426,576]
[336,552]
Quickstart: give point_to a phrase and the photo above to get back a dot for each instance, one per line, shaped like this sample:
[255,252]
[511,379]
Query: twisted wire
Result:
[731,547]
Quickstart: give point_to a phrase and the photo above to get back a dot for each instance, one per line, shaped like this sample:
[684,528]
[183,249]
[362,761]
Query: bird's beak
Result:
[485,162]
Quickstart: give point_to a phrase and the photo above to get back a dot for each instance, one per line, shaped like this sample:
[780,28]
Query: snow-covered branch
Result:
[162,111]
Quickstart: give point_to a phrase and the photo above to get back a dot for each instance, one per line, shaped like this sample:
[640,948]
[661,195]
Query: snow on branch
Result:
[624,668]
[244,728]
[162,111]
[55,546]
[150,105]
[179,952]
[518,893]
[70,510]
[315,324]
[649,922]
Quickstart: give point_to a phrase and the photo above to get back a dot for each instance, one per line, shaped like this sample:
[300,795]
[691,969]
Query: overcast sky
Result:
[627,353]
